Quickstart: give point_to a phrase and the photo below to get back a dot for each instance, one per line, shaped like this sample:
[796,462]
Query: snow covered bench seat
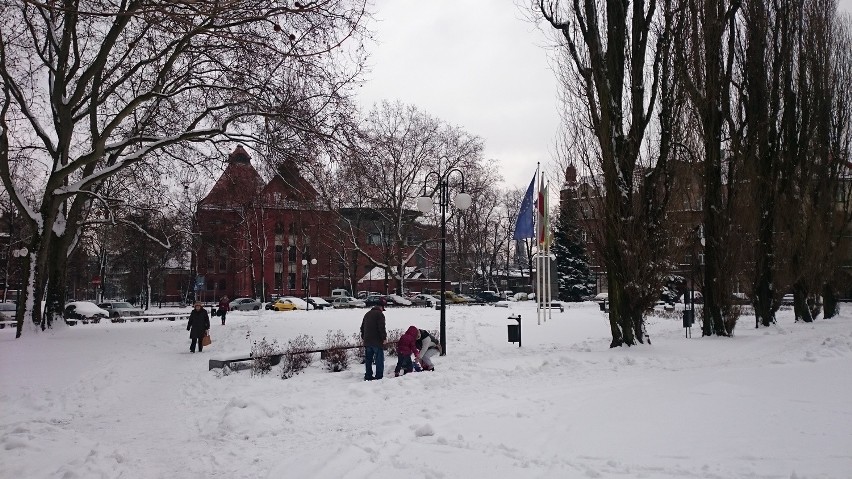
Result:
[11,324]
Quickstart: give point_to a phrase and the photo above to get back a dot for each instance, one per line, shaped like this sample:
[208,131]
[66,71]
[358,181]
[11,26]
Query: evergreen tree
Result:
[572,263]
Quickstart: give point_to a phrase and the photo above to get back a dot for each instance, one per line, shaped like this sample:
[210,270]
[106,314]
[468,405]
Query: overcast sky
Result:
[477,64]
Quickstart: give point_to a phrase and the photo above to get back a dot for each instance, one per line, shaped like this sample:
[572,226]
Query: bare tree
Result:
[617,79]
[91,88]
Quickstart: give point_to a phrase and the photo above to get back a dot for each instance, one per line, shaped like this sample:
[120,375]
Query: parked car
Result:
[118,310]
[398,300]
[376,300]
[424,300]
[787,300]
[699,298]
[7,313]
[300,303]
[488,296]
[454,298]
[347,302]
[245,304]
[83,311]
[319,303]
[281,304]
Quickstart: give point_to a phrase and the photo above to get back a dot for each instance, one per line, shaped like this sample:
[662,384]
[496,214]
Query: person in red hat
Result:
[374,335]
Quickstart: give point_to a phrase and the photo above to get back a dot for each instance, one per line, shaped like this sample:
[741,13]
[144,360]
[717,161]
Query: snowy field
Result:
[130,401]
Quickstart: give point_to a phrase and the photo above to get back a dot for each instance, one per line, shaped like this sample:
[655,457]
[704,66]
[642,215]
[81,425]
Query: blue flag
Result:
[525,227]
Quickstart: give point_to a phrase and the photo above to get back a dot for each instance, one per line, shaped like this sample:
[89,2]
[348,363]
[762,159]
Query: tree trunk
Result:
[800,303]
[829,298]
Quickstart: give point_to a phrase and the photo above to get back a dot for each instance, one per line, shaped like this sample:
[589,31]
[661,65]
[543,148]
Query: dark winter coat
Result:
[224,305]
[406,344]
[373,330]
[199,323]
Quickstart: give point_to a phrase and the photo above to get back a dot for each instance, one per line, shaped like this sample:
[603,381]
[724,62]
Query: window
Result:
[222,284]
[279,281]
[210,285]
[374,238]
[279,229]
[291,254]
[291,281]
[208,259]
[279,253]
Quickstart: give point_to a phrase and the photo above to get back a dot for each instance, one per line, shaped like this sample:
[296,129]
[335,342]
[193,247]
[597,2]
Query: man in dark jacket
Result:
[374,335]
[198,325]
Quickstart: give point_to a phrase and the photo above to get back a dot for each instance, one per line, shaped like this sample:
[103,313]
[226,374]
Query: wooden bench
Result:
[11,323]
[151,317]
[222,361]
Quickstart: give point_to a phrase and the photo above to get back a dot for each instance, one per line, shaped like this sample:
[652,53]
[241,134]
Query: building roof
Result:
[239,184]
[290,184]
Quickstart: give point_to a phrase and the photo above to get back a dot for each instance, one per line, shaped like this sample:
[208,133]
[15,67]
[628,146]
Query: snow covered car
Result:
[319,303]
[119,310]
[424,300]
[398,300]
[281,304]
[7,313]
[84,311]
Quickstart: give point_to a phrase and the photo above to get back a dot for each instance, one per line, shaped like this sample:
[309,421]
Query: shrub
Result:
[337,358]
[296,359]
[359,352]
[393,337]
[260,352]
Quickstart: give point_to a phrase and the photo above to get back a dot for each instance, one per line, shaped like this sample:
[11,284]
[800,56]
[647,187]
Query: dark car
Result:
[488,297]
[376,300]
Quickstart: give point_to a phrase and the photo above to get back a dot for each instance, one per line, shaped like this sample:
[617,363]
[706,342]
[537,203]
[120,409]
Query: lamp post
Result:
[18,253]
[306,264]
[424,204]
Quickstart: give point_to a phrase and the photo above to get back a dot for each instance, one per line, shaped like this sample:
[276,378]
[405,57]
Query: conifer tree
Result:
[572,263]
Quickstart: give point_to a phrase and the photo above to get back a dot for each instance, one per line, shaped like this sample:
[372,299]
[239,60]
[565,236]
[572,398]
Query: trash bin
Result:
[514,332]
[604,306]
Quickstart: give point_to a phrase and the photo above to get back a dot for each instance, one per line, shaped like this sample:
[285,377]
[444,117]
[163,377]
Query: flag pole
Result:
[547,241]
[538,270]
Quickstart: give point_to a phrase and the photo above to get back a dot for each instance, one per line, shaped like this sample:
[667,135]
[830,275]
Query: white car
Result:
[347,302]
[245,304]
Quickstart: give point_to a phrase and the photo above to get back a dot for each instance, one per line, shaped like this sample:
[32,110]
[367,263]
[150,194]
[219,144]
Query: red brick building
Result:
[255,236]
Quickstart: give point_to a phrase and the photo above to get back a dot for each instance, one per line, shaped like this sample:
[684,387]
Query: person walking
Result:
[198,325]
[374,335]
[224,307]
[427,346]
[405,347]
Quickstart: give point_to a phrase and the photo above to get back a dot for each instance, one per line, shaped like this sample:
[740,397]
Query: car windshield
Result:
[121,305]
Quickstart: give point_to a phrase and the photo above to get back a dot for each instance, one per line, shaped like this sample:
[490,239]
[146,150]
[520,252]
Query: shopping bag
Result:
[205,341]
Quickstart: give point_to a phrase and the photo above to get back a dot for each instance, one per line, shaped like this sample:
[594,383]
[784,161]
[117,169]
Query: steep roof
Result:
[290,184]
[239,183]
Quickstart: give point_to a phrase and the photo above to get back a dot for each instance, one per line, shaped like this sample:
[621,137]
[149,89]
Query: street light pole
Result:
[425,204]
[307,266]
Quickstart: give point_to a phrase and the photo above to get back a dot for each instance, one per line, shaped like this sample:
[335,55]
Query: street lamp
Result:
[424,204]
[307,267]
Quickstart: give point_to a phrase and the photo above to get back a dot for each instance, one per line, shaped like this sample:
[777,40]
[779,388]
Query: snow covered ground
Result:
[130,401]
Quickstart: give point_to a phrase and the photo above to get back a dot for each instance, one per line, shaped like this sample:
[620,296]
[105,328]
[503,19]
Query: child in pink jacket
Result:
[404,349]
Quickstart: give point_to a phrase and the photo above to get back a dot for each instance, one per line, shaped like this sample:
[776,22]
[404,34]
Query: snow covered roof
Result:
[378,273]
